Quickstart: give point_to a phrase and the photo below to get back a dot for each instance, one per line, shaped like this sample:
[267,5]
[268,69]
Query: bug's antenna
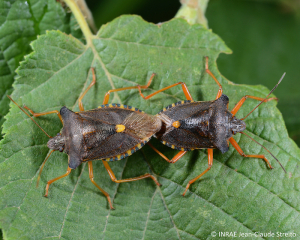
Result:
[38,179]
[28,116]
[265,149]
[265,97]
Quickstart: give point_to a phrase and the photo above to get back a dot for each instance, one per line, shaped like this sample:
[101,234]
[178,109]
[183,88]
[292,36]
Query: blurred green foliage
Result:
[264,37]
[20,23]
[265,40]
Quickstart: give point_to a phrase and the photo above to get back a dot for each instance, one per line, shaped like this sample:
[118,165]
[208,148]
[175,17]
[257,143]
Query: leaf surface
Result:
[265,44]
[237,195]
[21,21]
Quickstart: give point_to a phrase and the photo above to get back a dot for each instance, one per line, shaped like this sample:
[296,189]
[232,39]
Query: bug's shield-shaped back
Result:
[202,125]
[220,124]
[93,134]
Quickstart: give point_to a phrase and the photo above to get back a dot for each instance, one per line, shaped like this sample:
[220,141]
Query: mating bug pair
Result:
[114,131]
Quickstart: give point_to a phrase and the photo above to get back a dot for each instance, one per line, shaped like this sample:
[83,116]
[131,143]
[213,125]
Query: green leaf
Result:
[237,195]
[265,41]
[21,21]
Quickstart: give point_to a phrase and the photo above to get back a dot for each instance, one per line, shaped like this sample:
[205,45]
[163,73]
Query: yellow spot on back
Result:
[173,104]
[121,106]
[129,152]
[176,124]
[110,105]
[120,128]
[119,157]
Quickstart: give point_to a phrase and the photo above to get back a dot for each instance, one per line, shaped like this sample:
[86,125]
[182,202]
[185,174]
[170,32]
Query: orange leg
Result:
[240,151]
[55,179]
[213,76]
[210,162]
[106,97]
[183,85]
[81,108]
[28,116]
[243,99]
[44,113]
[114,179]
[91,175]
[38,179]
[173,160]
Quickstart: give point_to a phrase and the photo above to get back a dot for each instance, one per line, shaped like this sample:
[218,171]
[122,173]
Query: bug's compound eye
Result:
[60,149]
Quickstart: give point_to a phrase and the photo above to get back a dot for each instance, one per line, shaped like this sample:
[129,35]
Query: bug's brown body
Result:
[93,134]
[115,131]
[206,124]
[189,125]
[108,133]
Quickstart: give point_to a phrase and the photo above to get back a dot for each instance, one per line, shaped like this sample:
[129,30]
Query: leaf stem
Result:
[193,11]
[81,20]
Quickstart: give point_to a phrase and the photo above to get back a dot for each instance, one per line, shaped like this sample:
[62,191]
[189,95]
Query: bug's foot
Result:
[187,187]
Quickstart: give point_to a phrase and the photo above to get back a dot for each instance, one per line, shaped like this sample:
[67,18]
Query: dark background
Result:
[264,37]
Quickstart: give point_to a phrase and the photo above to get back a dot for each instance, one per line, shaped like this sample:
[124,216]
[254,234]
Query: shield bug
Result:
[108,133]
[189,125]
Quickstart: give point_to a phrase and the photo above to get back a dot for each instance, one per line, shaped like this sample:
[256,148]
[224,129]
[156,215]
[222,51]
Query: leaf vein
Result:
[148,215]
[159,46]
[197,196]
[67,209]
[114,195]
[45,82]
[38,145]
[164,202]
[108,75]
[19,208]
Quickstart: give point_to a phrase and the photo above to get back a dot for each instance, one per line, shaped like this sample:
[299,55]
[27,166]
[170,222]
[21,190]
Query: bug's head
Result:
[237,125]
[57,143]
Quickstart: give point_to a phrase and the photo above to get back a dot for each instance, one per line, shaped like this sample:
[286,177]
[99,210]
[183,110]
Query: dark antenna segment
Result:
[265,97]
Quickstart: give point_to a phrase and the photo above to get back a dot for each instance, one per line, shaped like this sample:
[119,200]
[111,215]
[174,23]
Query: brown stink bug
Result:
[108,133]
[189,125]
